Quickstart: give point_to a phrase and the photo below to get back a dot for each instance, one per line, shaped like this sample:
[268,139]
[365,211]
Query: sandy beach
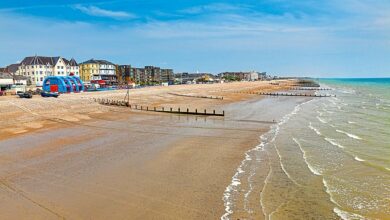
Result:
[73,158]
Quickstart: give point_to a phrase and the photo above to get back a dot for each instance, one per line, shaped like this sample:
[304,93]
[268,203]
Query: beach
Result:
[268,157]
[73,158]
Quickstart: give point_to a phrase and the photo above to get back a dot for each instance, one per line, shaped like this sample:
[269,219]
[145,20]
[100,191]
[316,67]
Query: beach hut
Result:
[63,84]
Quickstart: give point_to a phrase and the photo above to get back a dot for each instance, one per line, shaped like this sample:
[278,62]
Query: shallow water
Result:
[328,158]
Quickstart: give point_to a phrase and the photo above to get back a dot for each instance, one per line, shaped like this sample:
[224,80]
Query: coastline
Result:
[118,163]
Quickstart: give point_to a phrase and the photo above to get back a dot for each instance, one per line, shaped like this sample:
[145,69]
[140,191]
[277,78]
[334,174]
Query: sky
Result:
[317,38]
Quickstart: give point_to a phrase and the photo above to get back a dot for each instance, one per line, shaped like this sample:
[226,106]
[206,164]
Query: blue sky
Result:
[328,38]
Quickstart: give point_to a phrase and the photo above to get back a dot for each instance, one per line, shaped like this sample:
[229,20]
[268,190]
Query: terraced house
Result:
[36,68]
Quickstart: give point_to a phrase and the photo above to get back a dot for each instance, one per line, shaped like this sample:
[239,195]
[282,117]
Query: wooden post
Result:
[196,111]
[179,110]
[214,111]
[154,108]
[171,109]
[147,108]
[187,110]
[162,108]
[223,113]
[205,111]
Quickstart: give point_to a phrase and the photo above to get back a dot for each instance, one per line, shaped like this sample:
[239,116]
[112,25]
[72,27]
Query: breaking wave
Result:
[234,186]
[350,135]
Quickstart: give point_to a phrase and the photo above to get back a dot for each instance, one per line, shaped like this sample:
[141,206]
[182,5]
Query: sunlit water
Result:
[329,158]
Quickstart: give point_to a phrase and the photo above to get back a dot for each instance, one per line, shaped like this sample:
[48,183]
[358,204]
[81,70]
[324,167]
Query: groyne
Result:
[171,110]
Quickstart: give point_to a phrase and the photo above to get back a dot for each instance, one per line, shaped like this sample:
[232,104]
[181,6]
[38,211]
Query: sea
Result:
[325,158]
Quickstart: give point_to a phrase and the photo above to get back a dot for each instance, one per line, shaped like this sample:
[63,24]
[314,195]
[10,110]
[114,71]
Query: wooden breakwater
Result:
[311,85]
[295,94]
[287,94]
[197,96]
[317,89]
[186,111]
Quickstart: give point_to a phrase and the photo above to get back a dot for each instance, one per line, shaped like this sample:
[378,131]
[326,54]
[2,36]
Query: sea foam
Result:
[334,143]
[350,135]
[359,159]
[314,129]
[347,215]
[311,168]
[266,138]
[321,120]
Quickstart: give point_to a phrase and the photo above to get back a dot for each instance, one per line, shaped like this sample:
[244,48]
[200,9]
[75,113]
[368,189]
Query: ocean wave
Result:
[314,129]
[348,91]
[328,191]
[321,120]
[334,143]
[351,122]
[311,168]
[359,159]
[350,135]
[266,138]
[347,215]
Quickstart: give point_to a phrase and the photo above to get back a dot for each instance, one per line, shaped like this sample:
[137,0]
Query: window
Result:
[41,79]
[41,72]
[40,66]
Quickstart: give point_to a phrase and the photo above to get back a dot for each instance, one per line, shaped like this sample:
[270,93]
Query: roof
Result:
[19,77]
[5,75]
[93,61]
[13,68]
[41,60]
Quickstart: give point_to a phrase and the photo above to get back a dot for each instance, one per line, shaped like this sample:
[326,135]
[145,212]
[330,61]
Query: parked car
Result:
[26,95]
[49,94]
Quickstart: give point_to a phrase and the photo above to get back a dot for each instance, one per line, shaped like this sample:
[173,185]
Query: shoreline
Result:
[144,165]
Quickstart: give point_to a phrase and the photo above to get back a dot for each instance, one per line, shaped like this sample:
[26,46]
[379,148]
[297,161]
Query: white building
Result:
[36,68]
[252,76]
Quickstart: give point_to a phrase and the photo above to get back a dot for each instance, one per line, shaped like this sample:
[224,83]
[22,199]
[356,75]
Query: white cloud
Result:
[210,8]
[99,12]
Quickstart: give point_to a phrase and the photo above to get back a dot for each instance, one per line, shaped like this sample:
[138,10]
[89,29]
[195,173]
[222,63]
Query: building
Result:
[124,74]
[6,81]
[36,68]
[252,76]
[152,75]
[239,76]
[167,76]
[139,75]
[186,78]
[98,70]
[233,76]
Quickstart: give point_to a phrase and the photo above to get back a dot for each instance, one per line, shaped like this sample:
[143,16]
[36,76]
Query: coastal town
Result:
[97,74]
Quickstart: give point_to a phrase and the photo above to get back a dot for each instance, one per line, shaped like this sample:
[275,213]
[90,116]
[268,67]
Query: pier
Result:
[171,110]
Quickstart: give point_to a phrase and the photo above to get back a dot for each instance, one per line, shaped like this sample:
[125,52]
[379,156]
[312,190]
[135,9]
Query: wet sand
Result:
[72,158]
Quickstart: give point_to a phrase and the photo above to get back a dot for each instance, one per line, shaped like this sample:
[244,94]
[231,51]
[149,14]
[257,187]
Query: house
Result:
[98,70]
[36,68]
[6,81]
